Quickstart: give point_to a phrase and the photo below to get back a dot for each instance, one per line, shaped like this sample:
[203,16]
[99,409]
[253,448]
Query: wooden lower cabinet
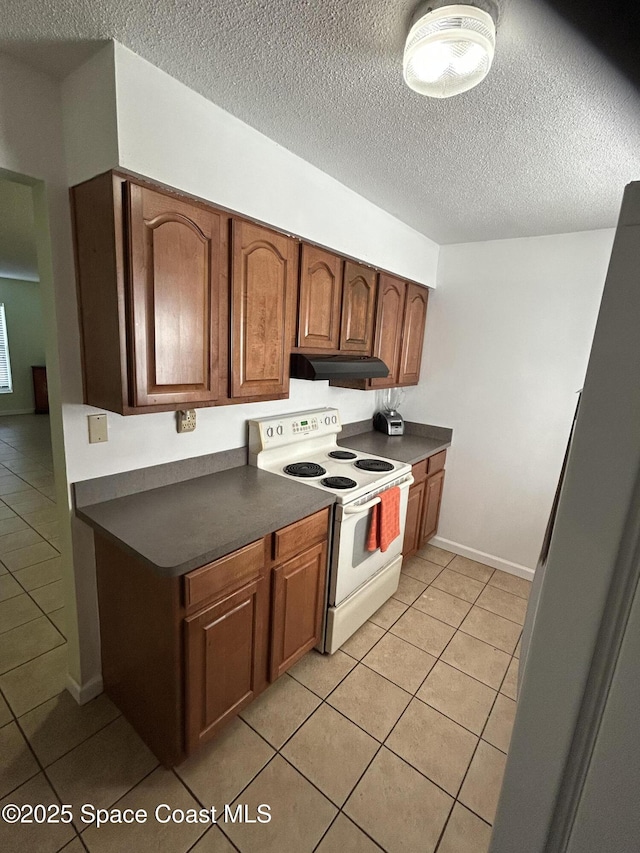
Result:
[298,602]
[225,647]
[182,656]
[432,501]
[413,525]
[423,508]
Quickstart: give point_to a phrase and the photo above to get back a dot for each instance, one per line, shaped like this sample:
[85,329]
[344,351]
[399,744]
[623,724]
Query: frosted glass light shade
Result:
[449,50]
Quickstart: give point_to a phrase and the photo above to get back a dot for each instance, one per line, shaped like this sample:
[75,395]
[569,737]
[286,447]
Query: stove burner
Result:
[373,465]
[304,469]
[342,454]
[339,483]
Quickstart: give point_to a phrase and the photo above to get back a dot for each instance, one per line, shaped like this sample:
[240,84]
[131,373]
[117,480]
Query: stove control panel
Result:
[281,430]
[305,426]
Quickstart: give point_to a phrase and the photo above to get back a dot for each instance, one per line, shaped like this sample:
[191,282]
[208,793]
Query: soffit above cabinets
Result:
[544,145]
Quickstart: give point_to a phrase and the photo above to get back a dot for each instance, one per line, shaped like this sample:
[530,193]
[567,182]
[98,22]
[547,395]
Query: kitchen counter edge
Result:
[182,526]
[419,442]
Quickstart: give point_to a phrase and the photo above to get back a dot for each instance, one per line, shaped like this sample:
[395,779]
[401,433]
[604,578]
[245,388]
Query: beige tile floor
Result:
[395,743]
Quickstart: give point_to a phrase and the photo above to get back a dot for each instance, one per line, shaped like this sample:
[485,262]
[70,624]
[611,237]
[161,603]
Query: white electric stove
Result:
[303,447]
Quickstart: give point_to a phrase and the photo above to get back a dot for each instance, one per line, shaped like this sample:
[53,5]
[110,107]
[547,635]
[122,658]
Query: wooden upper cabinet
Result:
[358,309]
[175,253]
[151,271]
[320,300]
[388,333]
[415,315]
[263,290]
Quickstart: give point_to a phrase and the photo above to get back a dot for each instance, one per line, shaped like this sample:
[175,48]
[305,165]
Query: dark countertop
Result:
[403,448]
[179,527]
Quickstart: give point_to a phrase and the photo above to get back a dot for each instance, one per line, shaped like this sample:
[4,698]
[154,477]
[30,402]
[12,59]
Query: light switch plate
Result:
[187,420]
[97,429]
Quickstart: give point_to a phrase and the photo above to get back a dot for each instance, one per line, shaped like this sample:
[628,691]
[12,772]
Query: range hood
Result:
[336,367]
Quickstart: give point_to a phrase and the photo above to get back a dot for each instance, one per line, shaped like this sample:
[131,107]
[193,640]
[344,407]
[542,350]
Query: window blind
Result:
[6,386]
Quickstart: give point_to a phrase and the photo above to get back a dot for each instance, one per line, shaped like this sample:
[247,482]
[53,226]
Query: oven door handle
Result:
[356,510]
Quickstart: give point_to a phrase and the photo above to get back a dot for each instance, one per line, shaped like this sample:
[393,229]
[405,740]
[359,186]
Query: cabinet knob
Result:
[269,432]
[279,429]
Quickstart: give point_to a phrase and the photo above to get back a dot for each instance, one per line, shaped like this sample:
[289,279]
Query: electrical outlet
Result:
[187,420]
[97,428]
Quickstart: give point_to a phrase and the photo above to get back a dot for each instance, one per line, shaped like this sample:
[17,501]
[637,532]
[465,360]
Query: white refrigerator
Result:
[572,780]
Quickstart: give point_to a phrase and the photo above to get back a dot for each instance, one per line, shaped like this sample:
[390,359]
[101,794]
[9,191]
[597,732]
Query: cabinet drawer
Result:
[419,470]
[225,575]
[436,463]
[301,535]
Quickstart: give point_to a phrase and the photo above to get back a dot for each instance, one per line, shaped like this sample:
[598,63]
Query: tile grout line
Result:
[79,743]
[16,513]
[205,833]
[201,803]
[468,577]
[128,791]
[445,825]
[454,799]
[479,737]
[35,657]
[28,592]
[383,743]
[38,605]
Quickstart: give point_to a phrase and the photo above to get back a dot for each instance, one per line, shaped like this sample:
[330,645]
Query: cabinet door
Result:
[320,300]
[225,661]
[263,283]
[358,309]
[297,608]
[413,523]
[415,315]
[177,303]
[388,329]
[432,501]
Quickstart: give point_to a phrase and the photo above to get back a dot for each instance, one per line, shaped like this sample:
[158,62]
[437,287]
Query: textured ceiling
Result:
[17,235]
[544,145]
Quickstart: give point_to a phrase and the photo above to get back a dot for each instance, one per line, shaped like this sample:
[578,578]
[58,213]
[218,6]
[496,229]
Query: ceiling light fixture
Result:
[449,49]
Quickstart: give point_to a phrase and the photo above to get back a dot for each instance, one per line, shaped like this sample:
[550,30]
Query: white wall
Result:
[508,337]
[203,150]
[25,333]
[169,132]
[90,118]
[32,152]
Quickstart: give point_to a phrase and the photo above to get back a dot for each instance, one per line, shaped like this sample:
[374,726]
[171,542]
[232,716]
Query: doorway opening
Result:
[33,653]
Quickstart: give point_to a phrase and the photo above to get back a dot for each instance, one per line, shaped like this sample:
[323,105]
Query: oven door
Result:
[352,564]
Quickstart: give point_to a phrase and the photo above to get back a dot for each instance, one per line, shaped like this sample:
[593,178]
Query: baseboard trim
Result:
[481,557]
[86,692]
[18,412]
